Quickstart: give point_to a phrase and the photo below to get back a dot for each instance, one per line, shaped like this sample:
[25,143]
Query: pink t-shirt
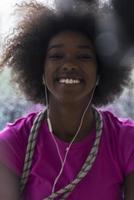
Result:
[104,181]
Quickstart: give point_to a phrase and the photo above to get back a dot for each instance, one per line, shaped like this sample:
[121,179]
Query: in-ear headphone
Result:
[43,80]
[97,81]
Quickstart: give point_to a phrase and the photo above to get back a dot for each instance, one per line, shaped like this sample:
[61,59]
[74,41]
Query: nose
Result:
[70,66]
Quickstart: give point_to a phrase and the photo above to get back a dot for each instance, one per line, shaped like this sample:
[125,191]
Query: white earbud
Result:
[97,81]
[43,80]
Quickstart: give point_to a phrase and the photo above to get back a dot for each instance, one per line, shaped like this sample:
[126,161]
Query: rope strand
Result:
[65,192]
[30,149]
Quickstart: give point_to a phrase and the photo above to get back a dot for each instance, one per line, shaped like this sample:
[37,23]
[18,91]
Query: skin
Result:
[66,102]
[70,54]
[9,184]
[129,186]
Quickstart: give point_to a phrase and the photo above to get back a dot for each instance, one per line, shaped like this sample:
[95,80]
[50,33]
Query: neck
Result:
[65,120]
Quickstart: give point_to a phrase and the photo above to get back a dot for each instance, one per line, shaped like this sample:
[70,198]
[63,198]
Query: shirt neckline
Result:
[87,140]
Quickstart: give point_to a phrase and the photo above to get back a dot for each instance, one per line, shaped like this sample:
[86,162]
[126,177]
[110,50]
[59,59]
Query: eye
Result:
[55,56]
[85,56]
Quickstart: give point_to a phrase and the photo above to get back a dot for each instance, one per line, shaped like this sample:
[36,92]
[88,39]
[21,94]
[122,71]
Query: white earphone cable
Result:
[63,161]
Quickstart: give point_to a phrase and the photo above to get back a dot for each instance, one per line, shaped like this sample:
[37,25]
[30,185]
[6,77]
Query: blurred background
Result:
[13,104]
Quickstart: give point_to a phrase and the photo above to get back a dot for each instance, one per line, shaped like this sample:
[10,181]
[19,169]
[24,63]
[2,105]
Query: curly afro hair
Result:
[125,11]
[25,52]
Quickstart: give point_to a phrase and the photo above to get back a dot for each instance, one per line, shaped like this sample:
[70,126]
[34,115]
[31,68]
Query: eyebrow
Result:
[55,46]
[85,46]
[81,46]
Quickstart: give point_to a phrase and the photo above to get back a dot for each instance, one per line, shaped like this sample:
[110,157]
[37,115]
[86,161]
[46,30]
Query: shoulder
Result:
[114,123]
[25,120]
[20,125]
[120,130]
[18,131]
[13,142]
[119,134]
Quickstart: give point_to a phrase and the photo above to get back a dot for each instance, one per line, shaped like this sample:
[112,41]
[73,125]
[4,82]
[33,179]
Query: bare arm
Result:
[9,184]
[129,187]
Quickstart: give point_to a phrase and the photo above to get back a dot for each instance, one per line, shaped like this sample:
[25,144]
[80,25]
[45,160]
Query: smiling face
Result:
[70,67]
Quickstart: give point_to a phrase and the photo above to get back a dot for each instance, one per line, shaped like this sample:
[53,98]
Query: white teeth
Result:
[69,81]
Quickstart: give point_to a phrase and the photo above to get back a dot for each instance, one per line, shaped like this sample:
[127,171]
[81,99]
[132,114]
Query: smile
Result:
[69,81]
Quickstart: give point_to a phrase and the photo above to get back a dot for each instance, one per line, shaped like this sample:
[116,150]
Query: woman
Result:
[71,150]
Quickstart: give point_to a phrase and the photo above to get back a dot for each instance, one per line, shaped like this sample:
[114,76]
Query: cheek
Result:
[91,70]
[47,70]
[49,74]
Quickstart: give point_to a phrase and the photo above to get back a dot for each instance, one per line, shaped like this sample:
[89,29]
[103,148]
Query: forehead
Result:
[70,38]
